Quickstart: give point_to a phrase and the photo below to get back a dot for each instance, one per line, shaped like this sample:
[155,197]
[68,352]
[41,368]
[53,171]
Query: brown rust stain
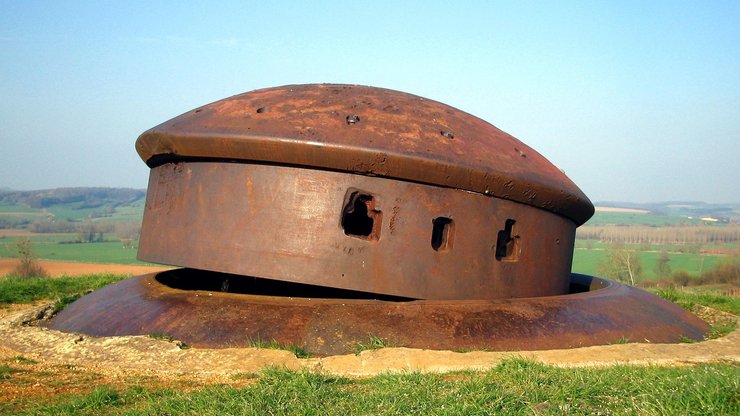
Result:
[398,135]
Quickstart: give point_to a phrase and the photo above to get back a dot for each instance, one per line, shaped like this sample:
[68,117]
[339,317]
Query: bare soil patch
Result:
[68,268]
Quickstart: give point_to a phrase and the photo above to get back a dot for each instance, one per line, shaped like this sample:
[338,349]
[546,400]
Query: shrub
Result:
[28,265]
[727,272]
[681,277]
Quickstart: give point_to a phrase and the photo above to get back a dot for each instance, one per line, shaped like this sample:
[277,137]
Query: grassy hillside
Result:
[73,224]
[19,209]
[692,245]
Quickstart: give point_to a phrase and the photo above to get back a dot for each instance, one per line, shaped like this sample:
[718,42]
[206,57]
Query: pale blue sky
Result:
[636,101]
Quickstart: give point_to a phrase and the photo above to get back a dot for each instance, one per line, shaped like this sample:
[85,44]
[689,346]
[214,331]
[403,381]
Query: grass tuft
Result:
[297,350]
[464,350]
[23,360]
[372,343]
[6,371]
[622,340]
[721,329]
[161,336]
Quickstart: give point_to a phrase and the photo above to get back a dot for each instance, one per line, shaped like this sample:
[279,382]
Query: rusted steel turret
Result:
[291,208]
[358,188]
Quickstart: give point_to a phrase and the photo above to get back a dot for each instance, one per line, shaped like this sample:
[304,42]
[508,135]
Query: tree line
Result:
[89,231]
[678,235]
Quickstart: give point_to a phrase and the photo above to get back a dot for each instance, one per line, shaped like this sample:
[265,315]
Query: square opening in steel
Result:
[359,217]
[442,233]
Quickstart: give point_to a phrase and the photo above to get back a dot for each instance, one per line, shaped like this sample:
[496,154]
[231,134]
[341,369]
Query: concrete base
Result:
[596,312]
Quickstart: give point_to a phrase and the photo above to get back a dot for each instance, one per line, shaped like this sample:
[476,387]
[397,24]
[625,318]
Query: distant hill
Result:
[19,209]
[668,212]
[83,197]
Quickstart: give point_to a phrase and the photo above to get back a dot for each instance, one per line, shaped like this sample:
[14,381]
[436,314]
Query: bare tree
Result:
[128,233]
[662,268]
[620,264]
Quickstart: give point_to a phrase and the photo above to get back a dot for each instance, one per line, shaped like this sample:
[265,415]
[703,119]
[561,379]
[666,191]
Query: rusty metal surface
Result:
[362,212]
[606,313]
[369,131]
[289,224]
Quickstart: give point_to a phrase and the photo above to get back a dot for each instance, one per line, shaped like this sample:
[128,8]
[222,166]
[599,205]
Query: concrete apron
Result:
[146,354]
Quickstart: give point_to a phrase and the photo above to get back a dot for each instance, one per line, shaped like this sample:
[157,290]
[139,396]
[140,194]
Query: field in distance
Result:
[94,225]
[662,239]
[102,225]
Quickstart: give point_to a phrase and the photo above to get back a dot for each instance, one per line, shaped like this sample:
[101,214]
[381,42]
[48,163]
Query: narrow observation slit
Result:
[360,218]
[441,234]
[507,244]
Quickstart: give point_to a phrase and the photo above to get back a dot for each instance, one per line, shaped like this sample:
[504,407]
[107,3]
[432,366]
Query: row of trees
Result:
[89,231]
[46,226]
[640,234]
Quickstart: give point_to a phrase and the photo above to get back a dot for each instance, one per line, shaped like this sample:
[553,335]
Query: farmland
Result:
[31,209]
[100,225]
[62,247]
[688,239]
[586,261]
[32,385]
[95,225]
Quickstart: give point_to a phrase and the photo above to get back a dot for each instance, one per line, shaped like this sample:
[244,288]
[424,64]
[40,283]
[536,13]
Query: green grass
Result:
[15,208]
[23,360]
[585,261]
[72,211]
[297,350]
[688,298]
[514,387]
[161,336]
[6,371]
[66,289]
[58,247]
[372,343]
[623,340]
[133,212]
